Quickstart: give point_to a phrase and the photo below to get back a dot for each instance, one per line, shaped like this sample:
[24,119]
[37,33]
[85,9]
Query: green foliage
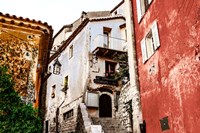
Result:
[123,70]
[15,116]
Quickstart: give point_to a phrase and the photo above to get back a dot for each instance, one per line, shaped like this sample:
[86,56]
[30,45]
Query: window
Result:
[106,38]
[49,70]
[65,88]
[54,48]
[54,120]
[46,126]
[53,91]
[66,83]
[110,69]
[71,51]
[116,97]
[142,6]
[68,114]
[115,12]
[150,43]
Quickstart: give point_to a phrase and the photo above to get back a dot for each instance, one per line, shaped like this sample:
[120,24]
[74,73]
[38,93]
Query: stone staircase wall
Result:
[109,125]
[85,124]
[83,121]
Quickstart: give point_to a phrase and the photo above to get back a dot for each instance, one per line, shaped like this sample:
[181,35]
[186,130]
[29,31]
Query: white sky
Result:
[55,12]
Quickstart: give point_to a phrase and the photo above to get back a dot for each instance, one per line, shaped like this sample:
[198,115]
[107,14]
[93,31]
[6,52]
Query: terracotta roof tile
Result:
[24,21]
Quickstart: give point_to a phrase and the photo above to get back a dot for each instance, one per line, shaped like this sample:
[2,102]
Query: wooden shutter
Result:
[144,50]
[139,10]
[155,33]
[149,1]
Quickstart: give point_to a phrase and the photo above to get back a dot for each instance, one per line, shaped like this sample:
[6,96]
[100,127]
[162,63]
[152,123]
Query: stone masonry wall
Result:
[19,56]
[125,106]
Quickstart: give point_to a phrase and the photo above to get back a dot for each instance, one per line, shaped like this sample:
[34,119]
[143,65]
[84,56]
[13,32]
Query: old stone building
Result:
[83,95]
[23,49]
[72,78]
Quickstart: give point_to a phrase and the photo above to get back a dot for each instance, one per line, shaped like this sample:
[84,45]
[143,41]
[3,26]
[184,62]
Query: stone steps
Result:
[109,125]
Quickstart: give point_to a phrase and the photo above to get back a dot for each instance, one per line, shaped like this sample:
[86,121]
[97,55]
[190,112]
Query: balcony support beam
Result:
[105,52]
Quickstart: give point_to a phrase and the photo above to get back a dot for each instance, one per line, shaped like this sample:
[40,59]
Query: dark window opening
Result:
[53,91]
[47,126]
[66,82]
[68,114]
[106,36]
[106,39]
[110,69]
[71,51]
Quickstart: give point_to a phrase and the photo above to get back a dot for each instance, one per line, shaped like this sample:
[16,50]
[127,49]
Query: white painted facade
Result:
[63,34]
[81,68]
[76,68]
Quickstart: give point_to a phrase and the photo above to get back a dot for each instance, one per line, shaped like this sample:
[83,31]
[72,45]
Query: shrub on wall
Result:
[123,70]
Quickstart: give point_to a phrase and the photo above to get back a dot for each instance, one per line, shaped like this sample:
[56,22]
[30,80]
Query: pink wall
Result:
[170,79]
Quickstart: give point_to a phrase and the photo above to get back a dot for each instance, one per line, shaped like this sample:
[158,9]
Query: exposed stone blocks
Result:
[19,56]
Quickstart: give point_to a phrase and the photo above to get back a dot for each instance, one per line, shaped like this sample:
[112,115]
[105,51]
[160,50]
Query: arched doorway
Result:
[105,106]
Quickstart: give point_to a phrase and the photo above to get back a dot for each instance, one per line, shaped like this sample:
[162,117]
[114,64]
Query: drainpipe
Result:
[132,59]
[57,116]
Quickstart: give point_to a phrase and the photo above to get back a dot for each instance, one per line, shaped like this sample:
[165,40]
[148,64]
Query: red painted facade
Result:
[170,78]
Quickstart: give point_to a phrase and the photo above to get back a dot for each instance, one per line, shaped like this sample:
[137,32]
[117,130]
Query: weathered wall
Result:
[125,106]
[134,89]
[20,58]
[79,68]
[169,80]
[95,30]
[23,45]
[76,68]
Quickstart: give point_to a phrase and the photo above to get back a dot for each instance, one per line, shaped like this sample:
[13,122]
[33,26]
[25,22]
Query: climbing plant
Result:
[123,70]
[15,115]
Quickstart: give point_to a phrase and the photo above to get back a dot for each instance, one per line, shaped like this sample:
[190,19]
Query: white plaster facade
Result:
[82,68]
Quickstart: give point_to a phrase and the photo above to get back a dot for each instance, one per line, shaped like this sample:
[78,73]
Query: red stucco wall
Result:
[170,79]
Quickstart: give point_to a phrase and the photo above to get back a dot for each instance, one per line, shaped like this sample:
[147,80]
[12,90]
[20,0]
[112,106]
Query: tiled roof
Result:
[25,22]
[93,16]
[97,14]
[107,18]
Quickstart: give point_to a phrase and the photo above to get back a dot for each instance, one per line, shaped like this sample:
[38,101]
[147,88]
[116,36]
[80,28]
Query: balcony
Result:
[105,80]
[107,46]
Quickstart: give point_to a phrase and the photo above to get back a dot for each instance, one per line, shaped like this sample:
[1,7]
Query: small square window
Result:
[49,69]
[65,88]
[66,82]
[71,51]
[53,91]
[115,12]
[110,68]
[68,114]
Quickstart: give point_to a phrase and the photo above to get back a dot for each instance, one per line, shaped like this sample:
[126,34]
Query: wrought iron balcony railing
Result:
[105,80]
